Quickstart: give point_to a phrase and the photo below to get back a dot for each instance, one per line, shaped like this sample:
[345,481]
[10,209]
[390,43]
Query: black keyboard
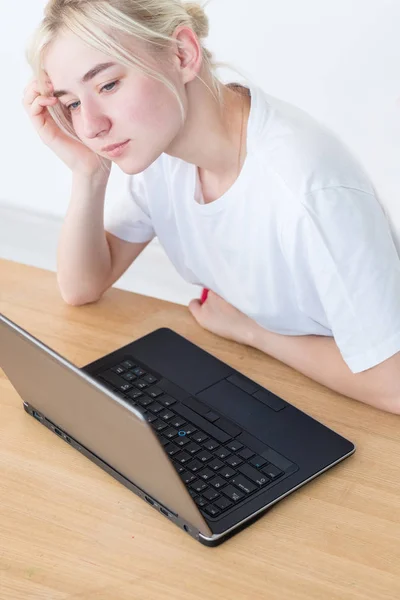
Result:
[220,464]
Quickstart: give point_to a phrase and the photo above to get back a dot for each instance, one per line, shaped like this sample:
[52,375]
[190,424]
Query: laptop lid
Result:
[100,421]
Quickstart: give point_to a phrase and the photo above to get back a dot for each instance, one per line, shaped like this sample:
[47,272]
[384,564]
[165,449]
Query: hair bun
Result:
[199,18]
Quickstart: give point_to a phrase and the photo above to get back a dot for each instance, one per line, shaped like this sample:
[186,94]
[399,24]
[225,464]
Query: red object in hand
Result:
[204,296]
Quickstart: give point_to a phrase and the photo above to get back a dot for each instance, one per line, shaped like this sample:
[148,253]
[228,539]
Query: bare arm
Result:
[319,358]
[90,260]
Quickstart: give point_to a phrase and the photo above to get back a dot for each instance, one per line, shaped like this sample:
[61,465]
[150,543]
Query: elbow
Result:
[79,297]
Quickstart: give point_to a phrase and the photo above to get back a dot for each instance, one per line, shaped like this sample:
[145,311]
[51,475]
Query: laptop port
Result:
[37,416]
[149,500]
[67,439]
[163,511]
[58,432]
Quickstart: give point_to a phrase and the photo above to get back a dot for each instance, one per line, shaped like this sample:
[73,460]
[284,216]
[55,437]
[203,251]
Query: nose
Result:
[94,122]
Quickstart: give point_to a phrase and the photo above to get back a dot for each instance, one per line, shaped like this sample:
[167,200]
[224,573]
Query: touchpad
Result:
[239,406]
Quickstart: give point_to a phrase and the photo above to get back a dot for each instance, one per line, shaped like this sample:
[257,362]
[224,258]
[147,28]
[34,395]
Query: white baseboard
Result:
[31,238]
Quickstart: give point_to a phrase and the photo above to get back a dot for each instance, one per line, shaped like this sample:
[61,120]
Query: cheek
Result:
[156,107]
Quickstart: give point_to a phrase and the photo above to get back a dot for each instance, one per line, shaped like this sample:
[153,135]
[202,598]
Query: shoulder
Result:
[303,153]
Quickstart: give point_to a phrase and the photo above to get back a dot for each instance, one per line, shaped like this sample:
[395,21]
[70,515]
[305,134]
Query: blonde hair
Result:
[98,23]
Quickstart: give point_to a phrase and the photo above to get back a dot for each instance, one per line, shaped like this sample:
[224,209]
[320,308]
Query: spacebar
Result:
[207,427]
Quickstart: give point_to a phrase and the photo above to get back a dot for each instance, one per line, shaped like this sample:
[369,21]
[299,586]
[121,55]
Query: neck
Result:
[213,137]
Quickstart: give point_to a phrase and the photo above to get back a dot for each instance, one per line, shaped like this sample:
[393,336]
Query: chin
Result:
[133,166]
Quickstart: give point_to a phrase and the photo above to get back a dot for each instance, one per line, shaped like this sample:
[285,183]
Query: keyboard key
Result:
[206,474]
[210,445]
[151,418]
[232,493]
[192,448]
[176,422]
[244,484]
[145,400]
[198,486]
[195,465]
[222,503]
[211,495]
[118,369]
[234,461]
[200,501]
[164,441]
[234,446]
[166,400]
[134,394]
[199,437]
[179,468]
[246,453]
[138,371]
[140,385]
[159,425]
[182,458]
[129,376]
[154,391]
[170,433]
[272,472]
[217,482]
[254,475]
[212,510]
[215,464]
[166,415]
[189,429]
[128,364]
[222,452]
[181,441]
[150,378]
[155,408]
[257,461]
[187,477]
[226,472]
[203,456]
[171,449]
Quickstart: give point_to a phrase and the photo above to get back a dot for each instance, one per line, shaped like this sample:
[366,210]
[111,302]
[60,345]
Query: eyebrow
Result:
[87,77]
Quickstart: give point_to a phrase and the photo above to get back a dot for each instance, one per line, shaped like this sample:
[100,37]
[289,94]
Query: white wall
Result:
[337,59]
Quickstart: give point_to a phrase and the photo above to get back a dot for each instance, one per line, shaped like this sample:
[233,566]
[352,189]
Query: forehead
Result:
[68,58]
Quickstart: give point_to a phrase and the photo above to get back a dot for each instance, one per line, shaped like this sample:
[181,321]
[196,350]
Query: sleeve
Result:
[345,267]
[126,213]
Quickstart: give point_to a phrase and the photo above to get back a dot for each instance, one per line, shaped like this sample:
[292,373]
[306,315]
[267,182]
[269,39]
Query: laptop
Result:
[209,448]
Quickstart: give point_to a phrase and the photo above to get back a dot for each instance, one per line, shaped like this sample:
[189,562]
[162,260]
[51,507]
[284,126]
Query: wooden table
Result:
[69,530]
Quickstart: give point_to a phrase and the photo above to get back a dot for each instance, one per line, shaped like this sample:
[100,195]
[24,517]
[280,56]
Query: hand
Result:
[219,317]
[73,153]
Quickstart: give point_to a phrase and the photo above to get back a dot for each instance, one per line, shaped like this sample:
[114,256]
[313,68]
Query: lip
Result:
[115,149]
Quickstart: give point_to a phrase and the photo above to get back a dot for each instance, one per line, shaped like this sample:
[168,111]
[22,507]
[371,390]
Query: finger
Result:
[32,91]
[195,307]
[40,104]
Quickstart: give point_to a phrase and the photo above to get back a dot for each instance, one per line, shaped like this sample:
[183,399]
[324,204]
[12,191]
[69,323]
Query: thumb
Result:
[195,307]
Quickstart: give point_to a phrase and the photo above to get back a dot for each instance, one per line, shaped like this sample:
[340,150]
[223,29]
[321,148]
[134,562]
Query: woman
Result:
[249,196]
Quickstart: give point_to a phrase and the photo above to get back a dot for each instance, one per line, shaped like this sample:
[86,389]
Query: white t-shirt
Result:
[299,243]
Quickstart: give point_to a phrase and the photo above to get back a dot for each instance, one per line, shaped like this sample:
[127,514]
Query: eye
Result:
[74,105]
[71,106]
[113,83]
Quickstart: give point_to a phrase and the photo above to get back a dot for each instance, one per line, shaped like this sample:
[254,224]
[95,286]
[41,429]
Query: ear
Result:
[188,53]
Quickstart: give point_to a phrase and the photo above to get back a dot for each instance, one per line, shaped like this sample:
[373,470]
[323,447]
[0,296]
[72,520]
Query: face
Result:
[117,104]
